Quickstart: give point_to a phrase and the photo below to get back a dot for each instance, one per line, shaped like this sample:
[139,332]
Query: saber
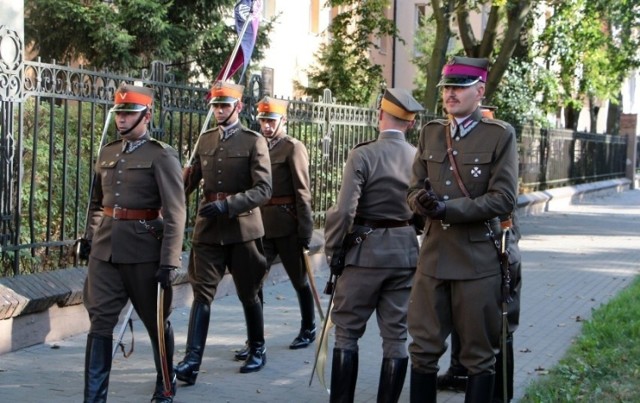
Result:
[312,283]
[92,184]
[166,382]
[118,343]
[321,350]
[505,300]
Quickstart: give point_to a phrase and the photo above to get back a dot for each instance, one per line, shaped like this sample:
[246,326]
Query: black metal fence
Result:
[50,130]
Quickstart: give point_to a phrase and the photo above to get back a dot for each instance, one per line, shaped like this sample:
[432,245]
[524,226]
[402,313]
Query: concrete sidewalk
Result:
[576,257]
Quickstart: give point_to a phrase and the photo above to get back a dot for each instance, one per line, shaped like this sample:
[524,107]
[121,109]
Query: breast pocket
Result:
[107,174]
[139,172]
[476,167]
[435,162]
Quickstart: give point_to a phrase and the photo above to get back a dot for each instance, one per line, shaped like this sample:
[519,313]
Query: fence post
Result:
[629,127]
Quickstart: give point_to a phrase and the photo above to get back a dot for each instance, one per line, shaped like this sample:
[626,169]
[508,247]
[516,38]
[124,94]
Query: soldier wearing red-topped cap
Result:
[465,178]
[233,163]
[136,226]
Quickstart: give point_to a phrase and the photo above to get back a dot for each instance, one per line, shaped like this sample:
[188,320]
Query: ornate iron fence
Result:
[52,120]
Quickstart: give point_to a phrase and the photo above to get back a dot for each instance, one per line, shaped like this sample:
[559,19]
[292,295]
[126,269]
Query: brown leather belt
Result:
[279,200]
[213,196]
[380,223]
[120,213]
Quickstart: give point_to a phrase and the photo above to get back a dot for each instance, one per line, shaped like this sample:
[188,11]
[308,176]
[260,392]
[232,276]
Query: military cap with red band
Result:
[272,108]
[464,72]
[132,98]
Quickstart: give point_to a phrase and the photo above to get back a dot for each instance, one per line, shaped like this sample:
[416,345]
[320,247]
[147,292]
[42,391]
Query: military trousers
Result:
[208,263]
[471,307]
[291,256]
[359,292]
[108,287]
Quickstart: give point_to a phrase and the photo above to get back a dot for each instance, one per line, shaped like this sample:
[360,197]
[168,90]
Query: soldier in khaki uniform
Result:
[458,281]
[455,378]
[379,270]
[136,227]
[234,163]
[287,218]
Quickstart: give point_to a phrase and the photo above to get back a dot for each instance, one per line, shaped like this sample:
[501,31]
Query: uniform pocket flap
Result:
[140,165]
[476,158]
[434,155]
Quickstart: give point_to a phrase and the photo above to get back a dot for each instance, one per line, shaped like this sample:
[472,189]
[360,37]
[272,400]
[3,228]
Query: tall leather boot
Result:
[498,393]
[479,388]
[392,374]
[97,366]
[344,374]
[187,370]
[257,357]
[243,353]
[307,333]
[455,378]
[423,387]
[159,395]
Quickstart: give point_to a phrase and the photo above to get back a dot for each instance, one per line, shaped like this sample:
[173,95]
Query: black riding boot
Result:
[308,325]
[159,393]
[392,374]
[423,387]
[243,353]
[479,388]
[498,393]
[257,357]
[344,374]
[455,378]
[97,366]
[187,369]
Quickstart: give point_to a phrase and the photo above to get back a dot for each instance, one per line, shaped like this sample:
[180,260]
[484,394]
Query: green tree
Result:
[195,37]
[344,65]
[591,46]
[499,39]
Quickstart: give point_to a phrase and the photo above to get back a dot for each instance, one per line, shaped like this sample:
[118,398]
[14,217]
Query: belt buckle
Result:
[115,212]
[445,226]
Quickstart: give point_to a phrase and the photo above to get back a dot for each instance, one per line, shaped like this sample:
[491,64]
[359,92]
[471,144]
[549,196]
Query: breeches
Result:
[108,287]
[470,307]
[291,256]
[360,291]
[245,261]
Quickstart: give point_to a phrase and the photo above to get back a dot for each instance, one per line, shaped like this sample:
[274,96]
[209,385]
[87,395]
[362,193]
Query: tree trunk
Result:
[438,56]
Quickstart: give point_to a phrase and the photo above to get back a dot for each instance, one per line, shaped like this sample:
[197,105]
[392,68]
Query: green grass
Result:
[603,365]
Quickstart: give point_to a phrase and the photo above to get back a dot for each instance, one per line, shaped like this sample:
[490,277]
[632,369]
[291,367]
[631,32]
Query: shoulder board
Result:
[496,122]
[112,143]
[290,139]
[249,131]
[160,143]
[364,143]
[442,122]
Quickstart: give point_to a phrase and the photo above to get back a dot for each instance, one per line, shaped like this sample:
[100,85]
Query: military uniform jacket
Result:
[374,187]
[148,178]
[238,166]
[487,161]
[290,176]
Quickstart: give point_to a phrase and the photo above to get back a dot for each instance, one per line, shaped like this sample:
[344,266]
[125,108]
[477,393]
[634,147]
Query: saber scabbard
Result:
[166,382]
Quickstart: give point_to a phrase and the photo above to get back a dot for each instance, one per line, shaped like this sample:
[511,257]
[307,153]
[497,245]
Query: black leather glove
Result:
[304,243]
[428,204]
[83,246]
[164,276]
[214,208]
[336,265]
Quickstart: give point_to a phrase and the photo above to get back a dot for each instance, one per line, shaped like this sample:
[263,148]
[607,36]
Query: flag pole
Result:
[224,78]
